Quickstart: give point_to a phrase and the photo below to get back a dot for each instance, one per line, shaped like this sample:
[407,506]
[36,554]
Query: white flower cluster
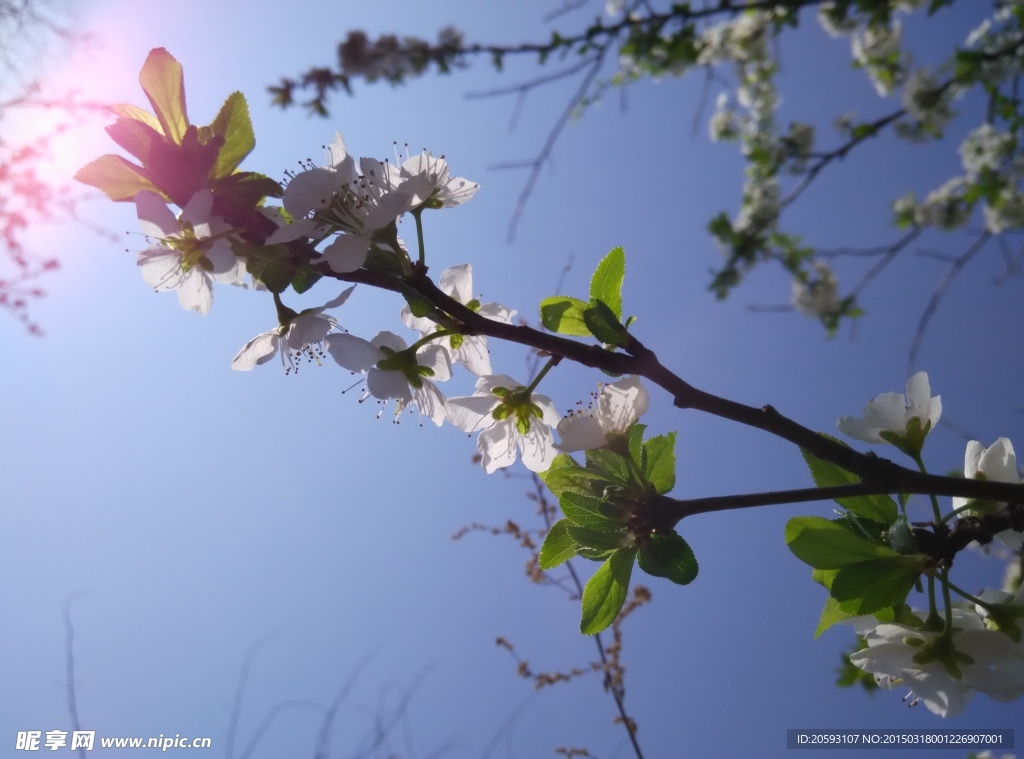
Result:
[979,647]
[991,158]
[819,296]
[874,44]
[943,670]
[356,209]
[997,463]
[745,42]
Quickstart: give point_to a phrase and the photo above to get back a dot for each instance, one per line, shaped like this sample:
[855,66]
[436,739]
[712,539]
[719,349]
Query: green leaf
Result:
[558,546]
[660,468]
[234,125]
[593,553]
[831,613]
[305,277]
[588,511]
[163,81]
[564,315]
[668,556]
[596,540]
[276,273]
[419,305]
[606,284]
[870,586]
[635,442]
[880,508]
[609,465]
[603,324]
[901,538]
[565,475]
[827,545]
[606,591]
[118,178]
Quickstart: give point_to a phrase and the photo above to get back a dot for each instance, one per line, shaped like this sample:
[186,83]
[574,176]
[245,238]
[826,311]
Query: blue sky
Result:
[200,510]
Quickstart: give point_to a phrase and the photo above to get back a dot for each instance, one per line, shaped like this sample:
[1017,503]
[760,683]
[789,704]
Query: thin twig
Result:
[545,153]
[69,668]
[933,302]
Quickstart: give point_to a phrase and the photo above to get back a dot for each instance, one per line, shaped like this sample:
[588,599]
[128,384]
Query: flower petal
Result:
[351,352]
[431,402]
[435,357]
[537,447]
[198,210]
[259,350]
[497,446]
[155,217]
[472,412]
[388,384]
[580,432]
[457,281]
[195,292]
[347,253]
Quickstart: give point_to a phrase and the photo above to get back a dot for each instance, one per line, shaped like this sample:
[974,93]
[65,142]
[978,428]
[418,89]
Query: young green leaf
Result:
[606,591]
[419,305]
[564,315]
[277,273]
[668,556]
[234,125]
[305,277]
[869,586]
[163,82]
[831,613]
[880,508]
[565,475]
[594,554]
[558,546]
[606,284]
[588,511]
[828,545]
[603,324]
[901,537]
[596,540]
[635,441]
[660,468]
[609,465]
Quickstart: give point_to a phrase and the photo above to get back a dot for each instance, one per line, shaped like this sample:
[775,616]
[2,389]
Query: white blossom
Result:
[819,296]
[468,350]
[619,405]
[973,659]
[891,418]
[945,208]
[192,252]
[427,180]
[395,371]
[985,148]
[300,335]
[927,103]
[997,463]
[507,417]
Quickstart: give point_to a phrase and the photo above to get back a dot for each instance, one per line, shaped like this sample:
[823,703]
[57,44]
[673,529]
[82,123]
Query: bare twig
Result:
[940,291]
[545,152]
[69,668]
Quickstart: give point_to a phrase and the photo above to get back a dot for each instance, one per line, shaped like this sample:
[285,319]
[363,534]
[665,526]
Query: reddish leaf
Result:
[164,83]
[118,178]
